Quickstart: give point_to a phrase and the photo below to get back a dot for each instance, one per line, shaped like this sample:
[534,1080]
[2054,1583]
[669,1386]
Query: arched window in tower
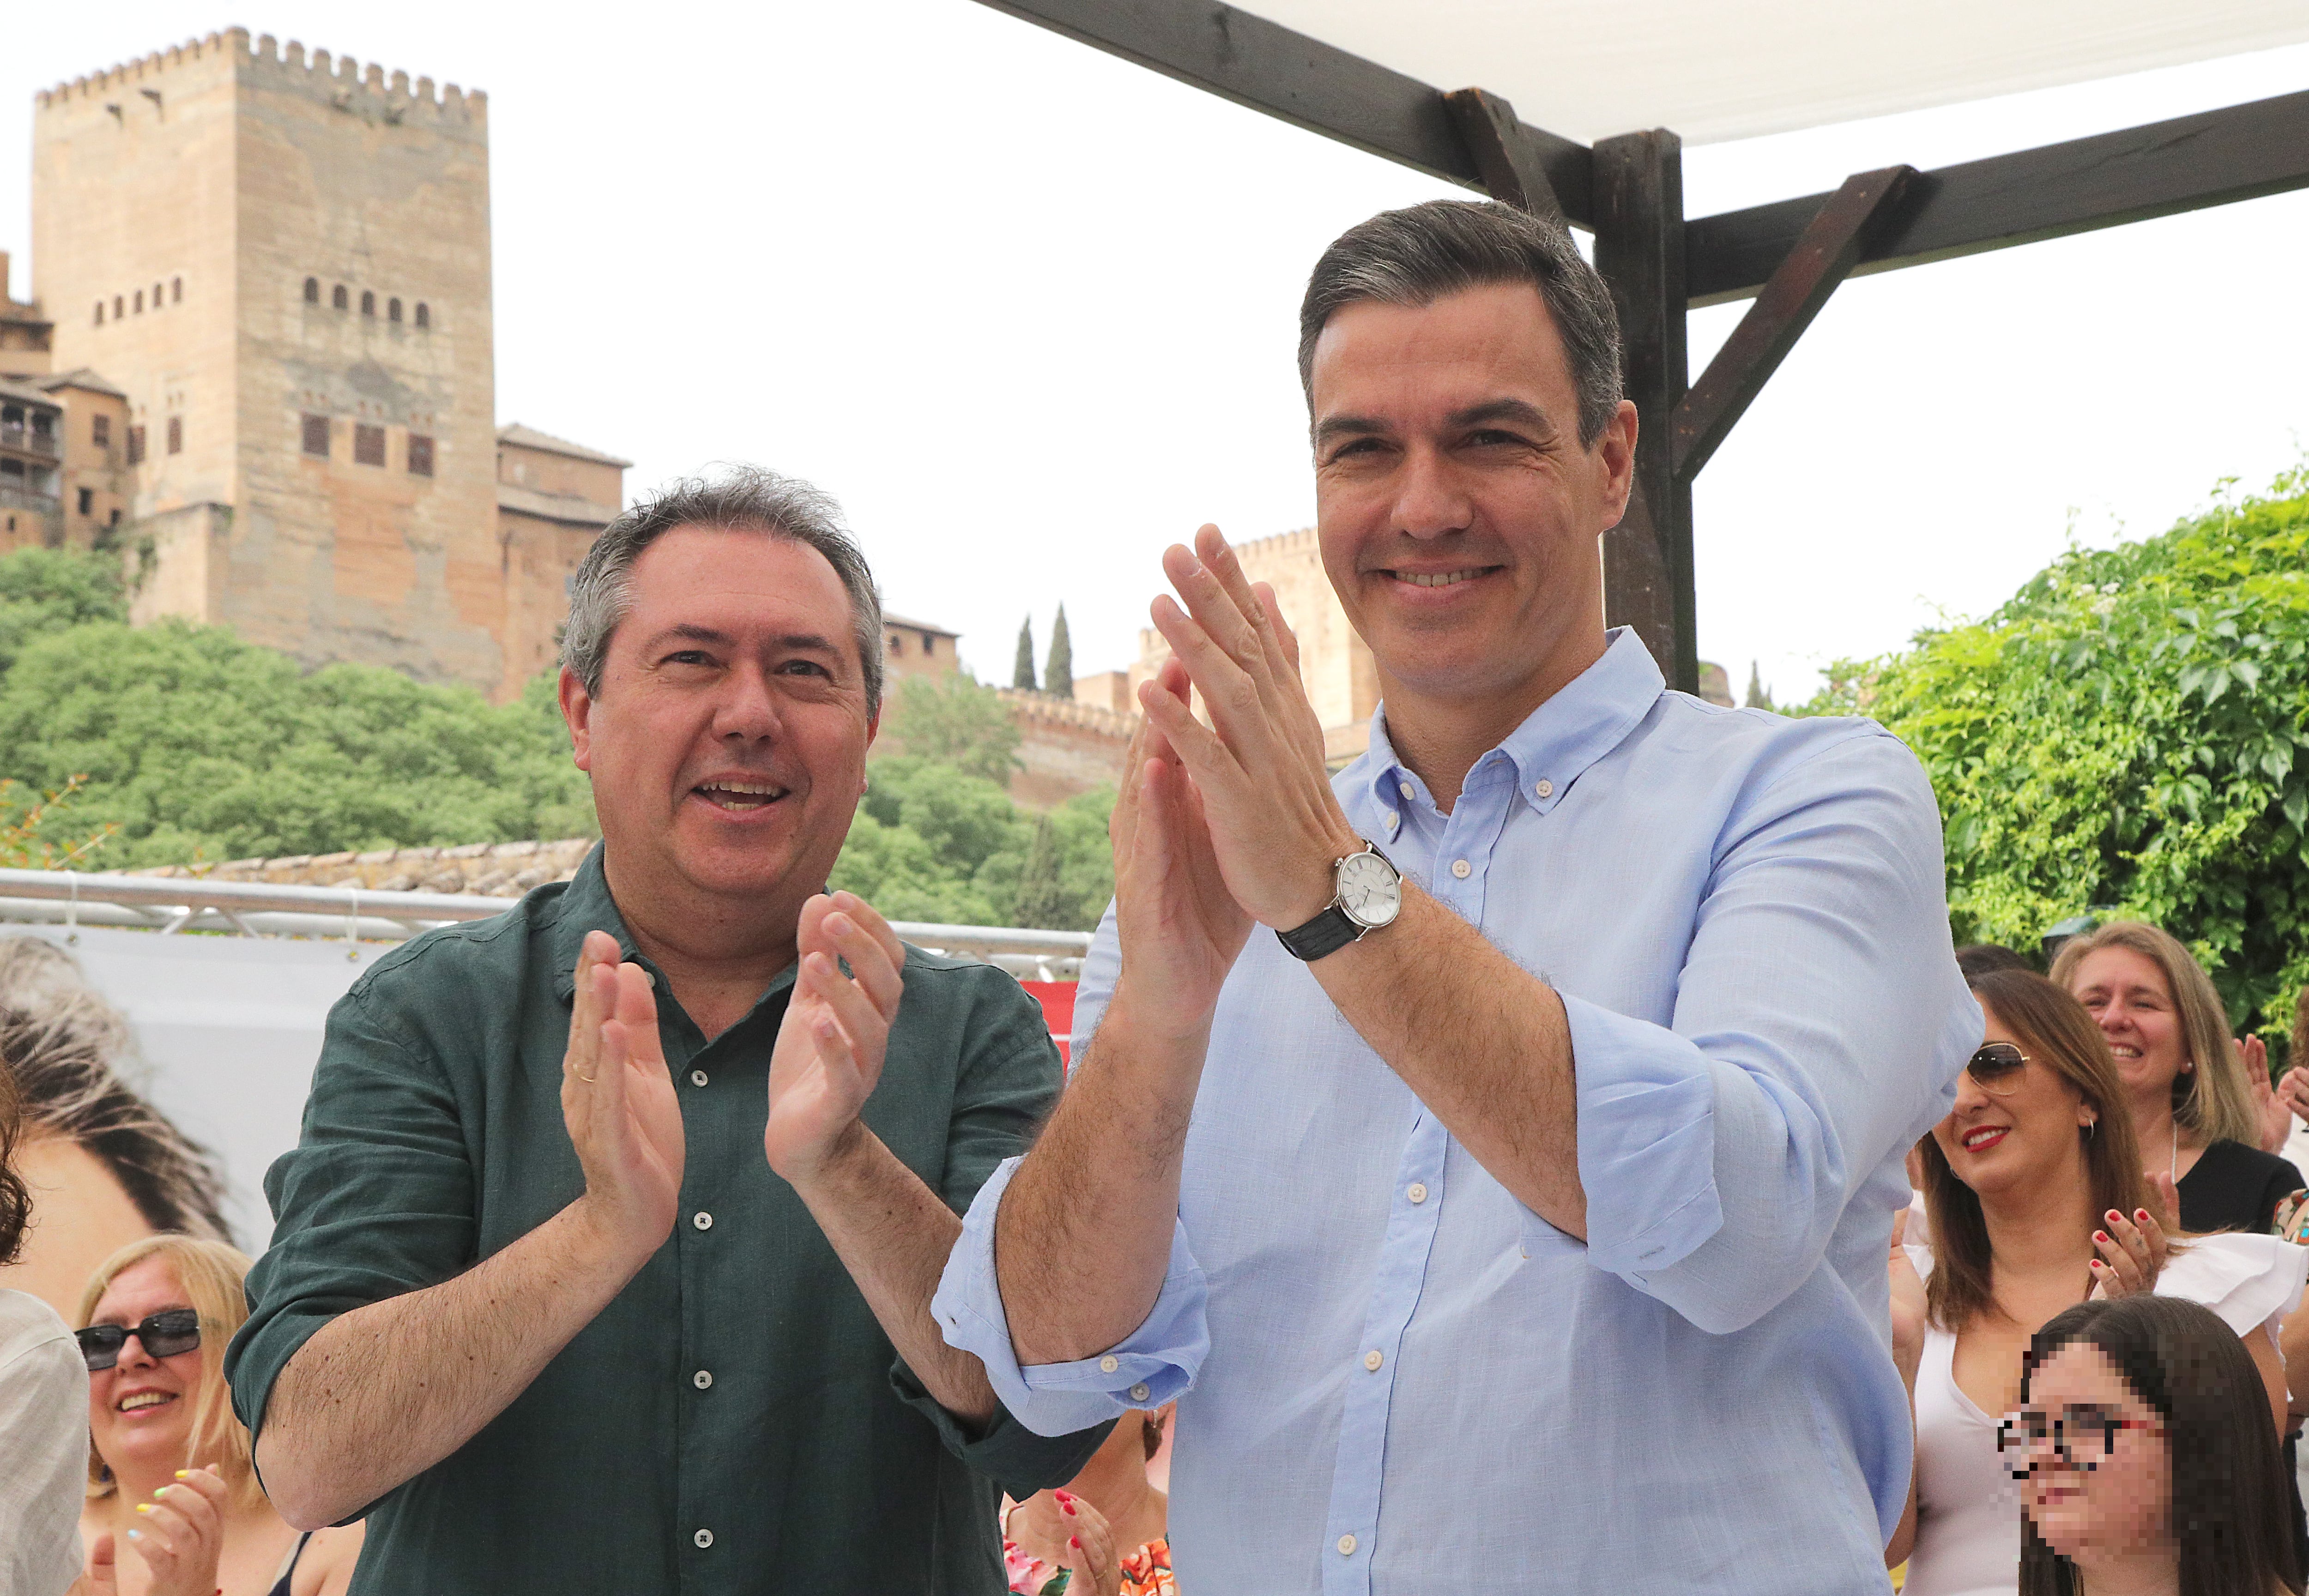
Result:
[99,321]
[368,302]
[337,298]
[176,294]
[393,310]
[156,296]
[139,301]
[119,307]
[424,314]
[312,290]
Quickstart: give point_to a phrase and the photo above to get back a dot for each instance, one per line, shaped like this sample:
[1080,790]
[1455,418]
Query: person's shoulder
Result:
[1684,724]
[957,979]
[2247,1162]
[27,1322]
[2243,1277]
[466,949]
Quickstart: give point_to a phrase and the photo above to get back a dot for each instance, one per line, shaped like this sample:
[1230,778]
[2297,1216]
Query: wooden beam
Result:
[1640,249]
[1310,84]
[1509,164]
[1796,292]
[2186,164]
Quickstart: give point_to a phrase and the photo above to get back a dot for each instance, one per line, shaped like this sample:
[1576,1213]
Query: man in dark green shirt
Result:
[604,1261]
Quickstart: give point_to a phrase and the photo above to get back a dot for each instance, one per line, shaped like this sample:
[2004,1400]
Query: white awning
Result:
[1727,69]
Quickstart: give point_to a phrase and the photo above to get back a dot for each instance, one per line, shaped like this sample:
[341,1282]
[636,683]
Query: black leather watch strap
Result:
[1326,934]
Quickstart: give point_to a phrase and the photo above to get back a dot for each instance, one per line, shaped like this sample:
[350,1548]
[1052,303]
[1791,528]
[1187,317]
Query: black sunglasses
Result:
[1997,1066]
[165,1334]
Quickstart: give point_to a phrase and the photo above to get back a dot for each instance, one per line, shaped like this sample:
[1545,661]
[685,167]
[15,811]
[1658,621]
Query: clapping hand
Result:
[836,1032]
[1275,824]
[180,1534]
[619,1102]
[2132,1254]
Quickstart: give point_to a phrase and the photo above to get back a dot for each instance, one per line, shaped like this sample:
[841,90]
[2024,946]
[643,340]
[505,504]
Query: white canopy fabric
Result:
[1728,69]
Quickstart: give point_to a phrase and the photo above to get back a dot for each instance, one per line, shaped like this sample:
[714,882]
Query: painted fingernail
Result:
[135,1534]
[1067,1509]
[1075,1542]
[2099,1236]
[2141,1215]
[184,1473]
[144,1506]
[2113,1216]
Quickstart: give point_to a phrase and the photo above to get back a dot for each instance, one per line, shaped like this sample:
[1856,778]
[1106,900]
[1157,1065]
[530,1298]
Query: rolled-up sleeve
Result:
[1154,1364]
[1818,1024]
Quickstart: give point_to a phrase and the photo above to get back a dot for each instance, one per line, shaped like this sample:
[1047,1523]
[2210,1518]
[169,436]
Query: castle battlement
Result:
[1281,543]
[1067,711]
[341,80]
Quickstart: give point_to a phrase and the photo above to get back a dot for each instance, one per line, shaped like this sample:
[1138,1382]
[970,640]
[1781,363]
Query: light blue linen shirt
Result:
[1396,1380]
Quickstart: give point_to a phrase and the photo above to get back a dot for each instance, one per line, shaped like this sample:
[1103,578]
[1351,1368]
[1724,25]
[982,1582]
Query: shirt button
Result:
[1140,1393]
[1543,788]
[702,1219]
[704,1538]
[702,1379]
[1391,816]
[1460,869]
[1108,1364]
[1408,789]
[697,1077]
[1346,1545]
[1417,1193]
[1373,1359]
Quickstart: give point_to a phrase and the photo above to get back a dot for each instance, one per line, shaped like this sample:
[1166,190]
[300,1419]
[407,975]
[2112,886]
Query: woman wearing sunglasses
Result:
[174,1507]
[2142,1459]
[2035,1201]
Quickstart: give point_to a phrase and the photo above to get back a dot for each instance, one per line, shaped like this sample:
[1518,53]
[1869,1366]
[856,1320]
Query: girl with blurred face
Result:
[2142,1462]
[174,1505]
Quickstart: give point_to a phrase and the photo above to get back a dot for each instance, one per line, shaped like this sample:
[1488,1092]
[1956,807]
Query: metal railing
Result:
[31,442]
[168,904]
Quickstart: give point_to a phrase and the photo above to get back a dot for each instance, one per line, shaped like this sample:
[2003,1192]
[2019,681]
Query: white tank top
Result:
[1967,1503]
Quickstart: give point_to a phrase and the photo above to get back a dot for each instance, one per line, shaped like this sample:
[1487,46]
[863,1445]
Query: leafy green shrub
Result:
[2130,733]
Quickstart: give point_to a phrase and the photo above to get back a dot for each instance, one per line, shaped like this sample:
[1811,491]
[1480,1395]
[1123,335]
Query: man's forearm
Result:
[1083,1239]
[382,1394]
[892,1233]
[1482,1042]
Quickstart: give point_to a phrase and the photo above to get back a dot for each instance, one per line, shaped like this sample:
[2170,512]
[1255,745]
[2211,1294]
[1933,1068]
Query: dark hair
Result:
[16,1197]
[2054,1032]
[744,498]
[1976,958]
[58,1039]
[1424,253]
[2229,1511]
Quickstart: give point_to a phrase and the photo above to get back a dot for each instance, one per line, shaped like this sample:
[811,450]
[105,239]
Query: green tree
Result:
[1021,673]
[954,721]
[1758,698]
[1058,676]
[196,745]
[47,590]
[2131,730]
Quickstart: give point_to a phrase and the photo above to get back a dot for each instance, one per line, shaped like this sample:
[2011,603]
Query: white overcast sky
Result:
[1028,310]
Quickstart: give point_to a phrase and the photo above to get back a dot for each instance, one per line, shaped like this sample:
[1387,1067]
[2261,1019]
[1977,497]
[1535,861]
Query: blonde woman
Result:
[2192,1106]
[169,1470]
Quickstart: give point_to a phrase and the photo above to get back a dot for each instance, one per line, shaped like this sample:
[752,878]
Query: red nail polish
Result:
[2113,1216]
[2141,1215]
[2097,1236]
[1075,1541]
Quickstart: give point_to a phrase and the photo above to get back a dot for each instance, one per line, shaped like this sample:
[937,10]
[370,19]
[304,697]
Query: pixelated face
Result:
[2019,1136]
[2126,992]
[2098,1469]
[140,1410]
[728,744]
[1457,511]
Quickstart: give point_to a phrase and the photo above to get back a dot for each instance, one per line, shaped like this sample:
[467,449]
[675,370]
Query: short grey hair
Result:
[1424,253]
[742,499]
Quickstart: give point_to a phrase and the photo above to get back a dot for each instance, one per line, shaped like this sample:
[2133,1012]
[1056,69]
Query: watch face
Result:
[1369,890]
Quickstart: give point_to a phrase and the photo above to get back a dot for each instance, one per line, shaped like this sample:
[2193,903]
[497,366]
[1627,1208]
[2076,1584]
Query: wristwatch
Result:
[1366,894]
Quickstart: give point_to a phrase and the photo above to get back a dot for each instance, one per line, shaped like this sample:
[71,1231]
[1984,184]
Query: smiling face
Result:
[1458,513]
[727,746]
[140,1410]
[2128,996]
[2014,1140]
[2119,1508]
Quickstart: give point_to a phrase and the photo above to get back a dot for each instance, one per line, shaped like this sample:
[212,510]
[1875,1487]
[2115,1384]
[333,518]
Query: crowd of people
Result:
[1482,1163]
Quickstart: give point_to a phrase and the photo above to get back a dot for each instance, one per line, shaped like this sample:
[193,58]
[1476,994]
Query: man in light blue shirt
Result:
[1519,1223]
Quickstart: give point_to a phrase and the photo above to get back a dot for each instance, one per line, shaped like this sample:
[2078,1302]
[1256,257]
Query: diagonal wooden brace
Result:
[1824,256]
[1503,154]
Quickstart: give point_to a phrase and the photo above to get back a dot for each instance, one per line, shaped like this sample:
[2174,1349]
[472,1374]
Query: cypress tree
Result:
[1042,903]
[1059,678]
[1022,675]
[1757,699]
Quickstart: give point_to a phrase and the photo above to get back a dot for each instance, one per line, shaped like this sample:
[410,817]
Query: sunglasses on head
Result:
[164,1335]
[1996,1067]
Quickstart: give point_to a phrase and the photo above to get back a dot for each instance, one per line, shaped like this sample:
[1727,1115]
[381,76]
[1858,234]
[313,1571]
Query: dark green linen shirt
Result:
[735,1419]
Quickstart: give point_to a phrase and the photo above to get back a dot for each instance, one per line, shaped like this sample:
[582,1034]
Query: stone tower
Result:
[282,263]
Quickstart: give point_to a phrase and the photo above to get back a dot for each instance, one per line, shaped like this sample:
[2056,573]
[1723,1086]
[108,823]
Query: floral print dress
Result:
[1146,1571]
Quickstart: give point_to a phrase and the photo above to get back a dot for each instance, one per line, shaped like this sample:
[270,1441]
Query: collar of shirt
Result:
[1588,718]
[586,906]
